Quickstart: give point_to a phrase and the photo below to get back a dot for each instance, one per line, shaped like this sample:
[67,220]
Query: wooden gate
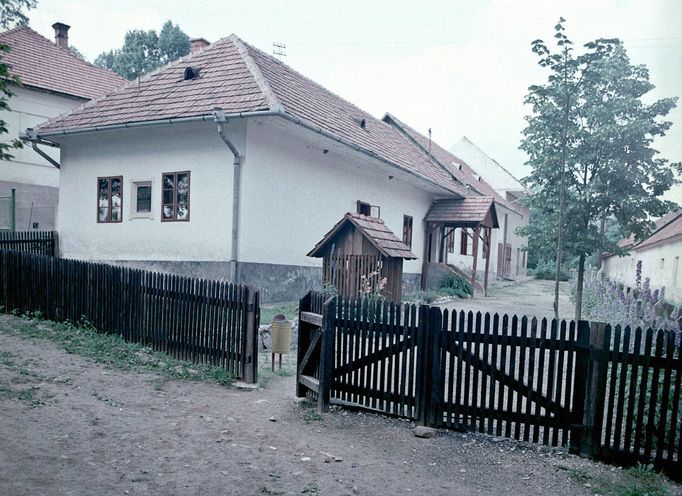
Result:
[608,393]
[513,377]
[315,348]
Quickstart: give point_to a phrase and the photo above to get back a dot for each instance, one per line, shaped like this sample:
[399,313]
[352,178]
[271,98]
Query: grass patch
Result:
[111,350]
[640,480]
[269,310]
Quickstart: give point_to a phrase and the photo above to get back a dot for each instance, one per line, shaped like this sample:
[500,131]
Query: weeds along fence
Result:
[41,242]
[605,392]
[206,322]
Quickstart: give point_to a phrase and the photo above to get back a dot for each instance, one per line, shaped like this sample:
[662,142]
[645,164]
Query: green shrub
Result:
[454,285]
[547,270]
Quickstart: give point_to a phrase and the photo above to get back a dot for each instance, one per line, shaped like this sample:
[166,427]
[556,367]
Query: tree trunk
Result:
[600,253]
[579,288]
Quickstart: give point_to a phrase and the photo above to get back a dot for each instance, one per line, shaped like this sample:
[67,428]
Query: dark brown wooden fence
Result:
[206,322]
[42,242]
[608,393]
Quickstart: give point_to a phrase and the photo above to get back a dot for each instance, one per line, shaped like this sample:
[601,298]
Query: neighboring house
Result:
[229,164]
[660,256]
[53,82]
[511,261]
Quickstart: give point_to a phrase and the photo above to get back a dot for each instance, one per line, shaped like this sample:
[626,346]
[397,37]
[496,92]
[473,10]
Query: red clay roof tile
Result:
[39,63]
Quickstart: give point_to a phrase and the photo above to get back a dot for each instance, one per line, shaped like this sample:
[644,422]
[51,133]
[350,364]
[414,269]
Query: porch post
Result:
[425,261]
[486,247]
[477,233]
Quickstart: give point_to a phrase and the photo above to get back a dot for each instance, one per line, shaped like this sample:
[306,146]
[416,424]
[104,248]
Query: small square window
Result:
[141,200]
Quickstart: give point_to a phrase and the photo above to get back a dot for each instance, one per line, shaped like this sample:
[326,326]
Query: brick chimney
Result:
[61,34]
[197,44]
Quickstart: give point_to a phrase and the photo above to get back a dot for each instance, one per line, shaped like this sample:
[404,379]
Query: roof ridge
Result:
[261,80]
[400,125]
[313,82]
[464,137]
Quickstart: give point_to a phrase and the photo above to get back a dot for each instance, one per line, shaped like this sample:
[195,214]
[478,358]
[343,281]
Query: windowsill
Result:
[141,216]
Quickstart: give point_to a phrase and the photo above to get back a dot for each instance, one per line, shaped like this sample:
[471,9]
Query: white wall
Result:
[28,109]
[294,193]
[658,264]
[144,154]
[493,173]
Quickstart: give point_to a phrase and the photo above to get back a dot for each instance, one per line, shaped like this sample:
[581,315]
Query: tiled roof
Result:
[237,77]
[669,226]
[39,63]
[470,210]
[454,165]
[374,230]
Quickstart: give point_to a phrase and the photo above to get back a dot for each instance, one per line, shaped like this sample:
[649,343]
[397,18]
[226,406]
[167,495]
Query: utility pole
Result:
[279,50]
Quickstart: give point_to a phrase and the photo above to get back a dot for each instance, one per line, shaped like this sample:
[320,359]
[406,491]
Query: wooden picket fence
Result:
[42,242]
[605,392]
[206,322]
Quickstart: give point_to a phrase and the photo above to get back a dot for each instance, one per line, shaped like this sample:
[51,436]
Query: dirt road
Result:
[532,297]
[72,427]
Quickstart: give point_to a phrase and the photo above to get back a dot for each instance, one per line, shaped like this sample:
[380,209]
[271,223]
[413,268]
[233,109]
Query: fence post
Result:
[326,353]
[251,336]
[590,388]
[302,345]
[434,386]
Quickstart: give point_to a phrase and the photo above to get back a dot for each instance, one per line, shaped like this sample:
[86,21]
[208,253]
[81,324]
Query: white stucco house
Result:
[660,256]
[54,82]
[229,164]
[510,256]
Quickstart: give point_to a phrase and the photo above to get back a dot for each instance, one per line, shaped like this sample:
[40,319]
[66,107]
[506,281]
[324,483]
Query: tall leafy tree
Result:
[173,43]
[144,51]
[11,12]
[589,141]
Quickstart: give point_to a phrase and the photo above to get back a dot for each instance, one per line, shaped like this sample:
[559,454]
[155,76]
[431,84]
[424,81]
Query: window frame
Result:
[360,204]
[175,195]
[408,226]
[109,180]
[134,185]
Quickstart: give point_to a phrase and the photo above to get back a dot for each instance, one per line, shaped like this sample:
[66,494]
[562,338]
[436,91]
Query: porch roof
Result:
[464,212]
[376,232]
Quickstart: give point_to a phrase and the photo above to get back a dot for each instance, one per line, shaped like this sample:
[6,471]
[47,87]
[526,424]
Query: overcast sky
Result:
[457,67]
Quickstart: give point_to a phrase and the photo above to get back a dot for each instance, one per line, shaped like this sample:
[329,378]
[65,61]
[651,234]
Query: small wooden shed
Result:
[360,251]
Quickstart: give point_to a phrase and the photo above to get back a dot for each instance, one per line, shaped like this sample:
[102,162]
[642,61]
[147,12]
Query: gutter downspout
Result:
[34,145]
[219,117]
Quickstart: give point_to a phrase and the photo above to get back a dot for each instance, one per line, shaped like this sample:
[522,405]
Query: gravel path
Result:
[88,430]
[532,297]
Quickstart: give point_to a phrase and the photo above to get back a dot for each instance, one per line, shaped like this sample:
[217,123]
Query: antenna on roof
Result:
[279,50]
[429,141]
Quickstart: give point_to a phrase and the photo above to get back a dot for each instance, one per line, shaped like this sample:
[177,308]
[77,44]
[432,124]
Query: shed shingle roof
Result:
[374,230]
[39,63]
[237,77]
[470,210]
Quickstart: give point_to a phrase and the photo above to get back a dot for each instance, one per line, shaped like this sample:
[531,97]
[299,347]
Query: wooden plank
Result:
[621,392]
[643,386]
[314,319]
[540,377]
[503,369]
[653,398]
[310,382]
[665,398]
